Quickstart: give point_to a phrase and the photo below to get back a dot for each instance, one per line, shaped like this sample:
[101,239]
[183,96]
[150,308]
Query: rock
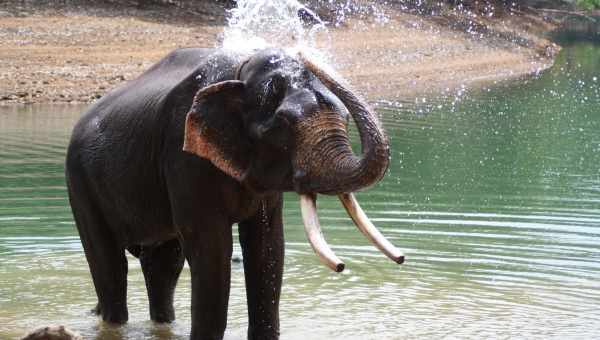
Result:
[551,50]
[52,333]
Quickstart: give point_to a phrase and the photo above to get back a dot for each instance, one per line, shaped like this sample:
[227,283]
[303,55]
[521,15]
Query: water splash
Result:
[289,25]
[286,24]
[259,24]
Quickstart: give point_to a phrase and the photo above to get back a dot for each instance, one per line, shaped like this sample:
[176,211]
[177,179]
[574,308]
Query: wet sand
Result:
[50,55]
[412,56]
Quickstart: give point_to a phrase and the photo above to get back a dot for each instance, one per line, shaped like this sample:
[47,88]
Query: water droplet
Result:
[256,24]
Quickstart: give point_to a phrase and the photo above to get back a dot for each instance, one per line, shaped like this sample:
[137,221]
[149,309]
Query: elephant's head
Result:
[282,125]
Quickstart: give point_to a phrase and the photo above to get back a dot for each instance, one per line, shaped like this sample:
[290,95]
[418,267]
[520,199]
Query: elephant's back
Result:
[116,146]
[136,107]
[152,86]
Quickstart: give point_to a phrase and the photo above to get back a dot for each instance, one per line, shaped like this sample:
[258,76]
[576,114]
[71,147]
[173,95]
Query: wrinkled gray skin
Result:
[164,165]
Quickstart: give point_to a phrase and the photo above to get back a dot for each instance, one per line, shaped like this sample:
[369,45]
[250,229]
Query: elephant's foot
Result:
[263,334]
[207,336]
[264,337]
[163,315]
[118,316]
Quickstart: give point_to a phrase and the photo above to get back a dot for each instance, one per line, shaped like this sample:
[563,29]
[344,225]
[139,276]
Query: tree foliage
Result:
[588,5]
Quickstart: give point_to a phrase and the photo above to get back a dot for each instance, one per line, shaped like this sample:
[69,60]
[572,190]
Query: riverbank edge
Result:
[75,55]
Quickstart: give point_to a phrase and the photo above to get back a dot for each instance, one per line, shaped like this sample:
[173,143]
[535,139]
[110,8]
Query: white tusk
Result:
[369,230]
[315,237]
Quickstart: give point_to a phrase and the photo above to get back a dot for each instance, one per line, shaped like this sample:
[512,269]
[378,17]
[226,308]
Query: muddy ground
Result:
[74,54]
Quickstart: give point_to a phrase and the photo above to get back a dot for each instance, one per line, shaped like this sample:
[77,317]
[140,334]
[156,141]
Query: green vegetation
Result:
[588,5]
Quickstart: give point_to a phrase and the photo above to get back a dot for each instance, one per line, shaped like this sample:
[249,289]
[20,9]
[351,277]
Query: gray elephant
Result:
[166,164]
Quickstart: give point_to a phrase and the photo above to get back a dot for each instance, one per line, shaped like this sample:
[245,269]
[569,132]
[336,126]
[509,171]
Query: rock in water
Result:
[52,333]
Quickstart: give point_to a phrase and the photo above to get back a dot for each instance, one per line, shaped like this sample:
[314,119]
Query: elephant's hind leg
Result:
[106,258]
[162,265]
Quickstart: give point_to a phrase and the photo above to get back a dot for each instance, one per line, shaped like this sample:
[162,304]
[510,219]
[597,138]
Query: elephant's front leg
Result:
[208,249]
[262,243]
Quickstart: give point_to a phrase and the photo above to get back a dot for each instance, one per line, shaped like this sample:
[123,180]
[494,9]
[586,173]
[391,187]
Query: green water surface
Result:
[494,195]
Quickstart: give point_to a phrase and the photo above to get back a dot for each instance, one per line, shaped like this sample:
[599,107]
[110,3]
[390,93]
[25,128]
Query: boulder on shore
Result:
[52,333]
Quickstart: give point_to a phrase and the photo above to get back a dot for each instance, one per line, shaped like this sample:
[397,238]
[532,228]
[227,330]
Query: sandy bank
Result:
[75,55]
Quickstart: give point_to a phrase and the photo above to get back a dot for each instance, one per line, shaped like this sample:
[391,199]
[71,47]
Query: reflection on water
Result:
[495,200]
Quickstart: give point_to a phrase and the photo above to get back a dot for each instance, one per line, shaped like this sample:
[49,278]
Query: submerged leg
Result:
[207,247]
[106,258]
[262,243]
[161,266]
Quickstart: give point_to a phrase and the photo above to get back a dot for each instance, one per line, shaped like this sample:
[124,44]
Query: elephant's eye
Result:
[320,98]
[275,88]
[323,103]
[278,83]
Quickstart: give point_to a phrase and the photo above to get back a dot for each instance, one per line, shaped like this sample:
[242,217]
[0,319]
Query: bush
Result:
[588,5]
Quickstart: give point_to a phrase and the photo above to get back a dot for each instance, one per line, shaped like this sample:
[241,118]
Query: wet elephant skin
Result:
[166,164]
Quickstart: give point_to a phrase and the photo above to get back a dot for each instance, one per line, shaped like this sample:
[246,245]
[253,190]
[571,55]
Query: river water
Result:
[495,199]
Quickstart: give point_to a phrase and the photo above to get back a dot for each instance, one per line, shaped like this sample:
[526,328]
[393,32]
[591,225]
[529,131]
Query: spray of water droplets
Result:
[286,24]
[259,24]
[289,25]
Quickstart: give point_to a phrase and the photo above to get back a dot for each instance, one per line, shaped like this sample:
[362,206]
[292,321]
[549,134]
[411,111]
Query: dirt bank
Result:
[75,54]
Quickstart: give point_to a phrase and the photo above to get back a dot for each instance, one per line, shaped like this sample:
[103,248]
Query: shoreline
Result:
[56,55]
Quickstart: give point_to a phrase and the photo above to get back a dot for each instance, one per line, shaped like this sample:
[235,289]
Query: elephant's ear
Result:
[214,128]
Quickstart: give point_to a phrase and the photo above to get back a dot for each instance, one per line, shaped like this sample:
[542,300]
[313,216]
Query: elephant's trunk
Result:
[327,162]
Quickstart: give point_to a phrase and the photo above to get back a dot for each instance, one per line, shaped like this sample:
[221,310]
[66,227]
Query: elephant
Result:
[166,164]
